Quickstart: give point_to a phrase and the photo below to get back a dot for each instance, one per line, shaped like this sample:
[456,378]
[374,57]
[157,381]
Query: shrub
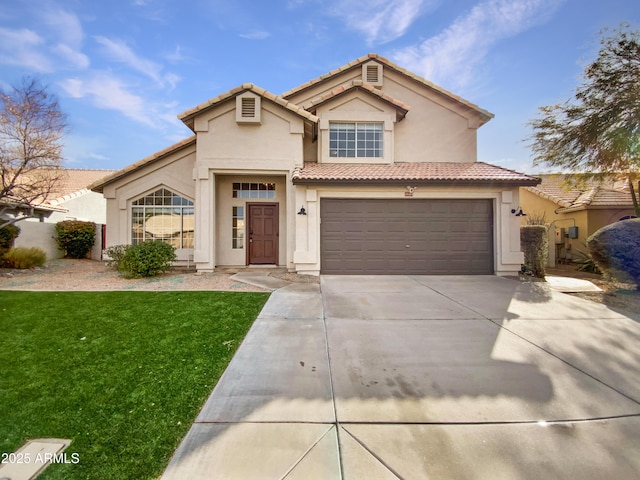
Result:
[116,254]
[535,244]
[25,257]
[147,259]
[75,238]
[8,234]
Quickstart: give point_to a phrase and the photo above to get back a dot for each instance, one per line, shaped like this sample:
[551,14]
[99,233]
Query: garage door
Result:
[408,236]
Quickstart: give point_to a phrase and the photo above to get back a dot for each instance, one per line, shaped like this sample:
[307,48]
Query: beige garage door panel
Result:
[416,236]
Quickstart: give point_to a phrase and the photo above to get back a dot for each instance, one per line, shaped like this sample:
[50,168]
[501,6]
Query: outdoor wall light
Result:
[518,212]
[302,211]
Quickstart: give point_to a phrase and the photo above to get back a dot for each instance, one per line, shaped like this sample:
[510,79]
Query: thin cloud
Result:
[385,20]
[452,57]
[257,35]
[108,92]
[23,48]
[66,25]
[120,51]
[74,57]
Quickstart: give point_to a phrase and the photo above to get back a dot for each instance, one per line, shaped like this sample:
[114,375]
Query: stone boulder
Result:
[616,250]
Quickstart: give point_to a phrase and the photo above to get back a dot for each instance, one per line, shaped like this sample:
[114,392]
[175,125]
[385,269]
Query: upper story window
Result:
[356,140]
[164,216]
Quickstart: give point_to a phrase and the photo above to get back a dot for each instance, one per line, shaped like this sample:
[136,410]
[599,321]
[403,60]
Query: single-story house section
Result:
[368,169]
[70,199]
[575,208]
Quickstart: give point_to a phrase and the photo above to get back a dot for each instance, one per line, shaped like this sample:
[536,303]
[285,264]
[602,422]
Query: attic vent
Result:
[248,107]
[372,74]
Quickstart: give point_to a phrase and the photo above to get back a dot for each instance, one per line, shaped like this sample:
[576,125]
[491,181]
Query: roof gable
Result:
[356,64]
[189,116]
[99,185]
[400,107]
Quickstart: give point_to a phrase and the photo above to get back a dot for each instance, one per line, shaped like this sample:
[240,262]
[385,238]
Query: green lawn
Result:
[121,374]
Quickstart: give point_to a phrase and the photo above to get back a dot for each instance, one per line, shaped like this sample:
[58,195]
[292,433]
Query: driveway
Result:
[424,377]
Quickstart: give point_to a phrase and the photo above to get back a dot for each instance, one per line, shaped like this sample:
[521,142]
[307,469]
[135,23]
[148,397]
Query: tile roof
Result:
[427,172]
[75,182]
[570,192]
[99,185]
[188,116]
[314,103]
[486,115]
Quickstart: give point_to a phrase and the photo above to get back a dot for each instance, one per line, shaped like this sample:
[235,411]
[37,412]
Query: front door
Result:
[263,233]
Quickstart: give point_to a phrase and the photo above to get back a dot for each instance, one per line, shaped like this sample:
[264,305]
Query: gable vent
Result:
[372,74]
[248,107]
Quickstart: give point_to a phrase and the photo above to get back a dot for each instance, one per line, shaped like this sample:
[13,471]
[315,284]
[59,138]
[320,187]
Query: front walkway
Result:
[423,377]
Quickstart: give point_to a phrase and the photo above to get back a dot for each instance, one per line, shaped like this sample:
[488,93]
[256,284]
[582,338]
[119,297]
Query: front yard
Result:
[121,374]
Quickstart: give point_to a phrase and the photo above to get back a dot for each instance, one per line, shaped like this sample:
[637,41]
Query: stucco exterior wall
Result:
[227,150]
[175,172]
[436,129]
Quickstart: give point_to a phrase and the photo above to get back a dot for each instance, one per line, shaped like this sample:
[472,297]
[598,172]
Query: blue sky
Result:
[124,69]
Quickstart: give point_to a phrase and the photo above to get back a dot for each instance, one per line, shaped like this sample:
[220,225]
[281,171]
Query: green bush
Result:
[535,243]
[75,238]
[8,234]
[116,254]
[147,259]
[25,257]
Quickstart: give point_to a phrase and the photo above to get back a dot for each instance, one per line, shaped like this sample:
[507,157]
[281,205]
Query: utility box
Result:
[560,234]
[572,232]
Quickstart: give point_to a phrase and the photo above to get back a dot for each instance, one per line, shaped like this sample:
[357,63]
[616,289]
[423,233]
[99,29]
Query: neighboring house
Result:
[575,211]
[70,200]
[368,169]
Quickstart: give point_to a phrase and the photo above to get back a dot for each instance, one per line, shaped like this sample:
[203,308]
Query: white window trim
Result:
[387,120]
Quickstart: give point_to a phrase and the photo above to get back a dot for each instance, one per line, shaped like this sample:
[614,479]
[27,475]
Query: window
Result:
[254,190]
[164,216]
[237,233]
[355,139]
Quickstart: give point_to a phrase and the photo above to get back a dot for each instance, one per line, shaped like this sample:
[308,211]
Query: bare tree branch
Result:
[31,131]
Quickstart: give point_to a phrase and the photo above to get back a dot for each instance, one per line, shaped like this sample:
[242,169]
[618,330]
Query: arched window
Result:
[164,216]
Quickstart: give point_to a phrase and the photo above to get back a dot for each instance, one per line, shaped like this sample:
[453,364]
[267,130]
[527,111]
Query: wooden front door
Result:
[263,233]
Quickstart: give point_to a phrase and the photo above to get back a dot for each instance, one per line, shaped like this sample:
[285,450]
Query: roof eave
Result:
[416,182]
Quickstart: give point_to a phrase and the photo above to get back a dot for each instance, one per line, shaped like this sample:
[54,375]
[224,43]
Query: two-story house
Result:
[368,169]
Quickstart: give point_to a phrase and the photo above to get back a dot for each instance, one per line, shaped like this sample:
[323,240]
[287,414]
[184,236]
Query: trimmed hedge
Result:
[534,241]
[75,238]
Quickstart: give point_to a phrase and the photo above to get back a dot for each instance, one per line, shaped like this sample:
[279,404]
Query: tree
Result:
[31,129]
[597,133]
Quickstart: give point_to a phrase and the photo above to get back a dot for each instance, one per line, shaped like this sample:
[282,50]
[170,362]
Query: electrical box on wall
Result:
[559,236]
[572,232]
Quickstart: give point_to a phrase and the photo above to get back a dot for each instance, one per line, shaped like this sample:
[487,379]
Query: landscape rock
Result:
[616,250]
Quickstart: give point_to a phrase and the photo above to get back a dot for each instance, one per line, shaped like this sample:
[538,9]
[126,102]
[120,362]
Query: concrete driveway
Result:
[387,377]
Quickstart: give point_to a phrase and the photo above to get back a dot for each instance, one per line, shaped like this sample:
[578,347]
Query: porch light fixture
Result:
[518,212]
[302,211]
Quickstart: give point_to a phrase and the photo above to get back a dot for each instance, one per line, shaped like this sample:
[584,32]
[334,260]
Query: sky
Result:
[124,69]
